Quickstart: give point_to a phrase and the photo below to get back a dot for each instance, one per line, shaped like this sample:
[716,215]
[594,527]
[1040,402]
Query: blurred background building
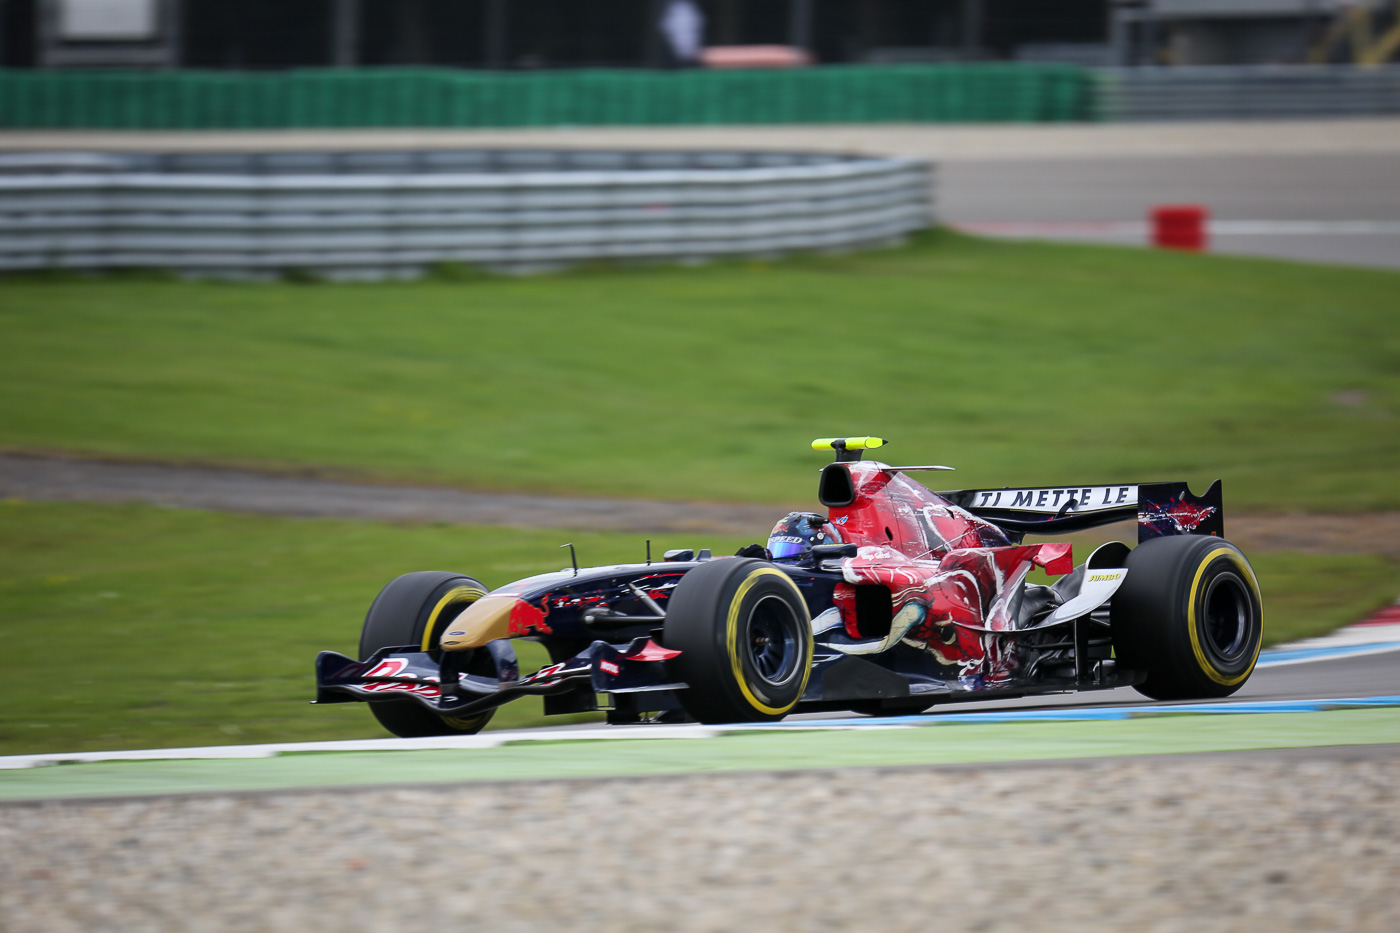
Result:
[523,33]
[1253,32]
[533,34]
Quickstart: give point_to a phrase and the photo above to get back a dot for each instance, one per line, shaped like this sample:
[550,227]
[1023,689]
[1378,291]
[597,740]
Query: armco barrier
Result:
[383,214]
[1248,92]
[395,97]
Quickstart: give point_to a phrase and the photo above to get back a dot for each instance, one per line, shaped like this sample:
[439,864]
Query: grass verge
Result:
[1019,363]
[134,626]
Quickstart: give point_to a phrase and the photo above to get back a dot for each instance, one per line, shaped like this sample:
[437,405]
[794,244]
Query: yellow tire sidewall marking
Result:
[732,641]
[1204,663]
[452,595]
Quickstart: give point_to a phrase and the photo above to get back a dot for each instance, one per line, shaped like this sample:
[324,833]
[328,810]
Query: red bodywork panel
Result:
[951,575]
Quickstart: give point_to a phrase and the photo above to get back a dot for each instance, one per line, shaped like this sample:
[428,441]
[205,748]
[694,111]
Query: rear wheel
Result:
[745,639]
[1189,614]
[414,610]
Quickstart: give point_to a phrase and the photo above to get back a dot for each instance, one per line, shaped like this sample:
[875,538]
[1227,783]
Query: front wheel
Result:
[1190,615]
[414,610]
[745,639]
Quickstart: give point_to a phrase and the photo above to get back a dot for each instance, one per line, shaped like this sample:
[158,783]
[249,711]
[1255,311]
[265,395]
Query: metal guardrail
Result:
[411,161]
[1238,92]
[346,221]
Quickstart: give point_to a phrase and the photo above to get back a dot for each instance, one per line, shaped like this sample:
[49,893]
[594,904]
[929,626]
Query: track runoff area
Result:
[1342,690]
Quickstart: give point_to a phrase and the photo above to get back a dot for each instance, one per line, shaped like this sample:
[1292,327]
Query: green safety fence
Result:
[435,97]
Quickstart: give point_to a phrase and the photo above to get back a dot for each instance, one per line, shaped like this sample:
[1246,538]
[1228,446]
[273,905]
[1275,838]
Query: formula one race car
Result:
[898,598]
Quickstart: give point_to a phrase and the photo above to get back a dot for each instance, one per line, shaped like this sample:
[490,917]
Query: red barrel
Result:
[1180,226]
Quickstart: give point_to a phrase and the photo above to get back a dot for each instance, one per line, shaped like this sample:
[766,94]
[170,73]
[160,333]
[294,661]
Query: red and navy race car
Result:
[893,600]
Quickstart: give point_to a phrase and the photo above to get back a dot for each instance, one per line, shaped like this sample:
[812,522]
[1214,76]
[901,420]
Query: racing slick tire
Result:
[414,610]
[745,639]
[1189,615]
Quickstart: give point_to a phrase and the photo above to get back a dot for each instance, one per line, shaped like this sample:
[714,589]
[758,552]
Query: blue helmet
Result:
[796,534]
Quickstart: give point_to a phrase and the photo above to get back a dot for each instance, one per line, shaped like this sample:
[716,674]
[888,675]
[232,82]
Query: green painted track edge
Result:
[738,752]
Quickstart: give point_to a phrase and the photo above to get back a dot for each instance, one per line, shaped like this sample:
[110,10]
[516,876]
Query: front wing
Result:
[405,673]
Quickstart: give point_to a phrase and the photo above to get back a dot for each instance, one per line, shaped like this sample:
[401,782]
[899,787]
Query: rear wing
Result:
[1160,508]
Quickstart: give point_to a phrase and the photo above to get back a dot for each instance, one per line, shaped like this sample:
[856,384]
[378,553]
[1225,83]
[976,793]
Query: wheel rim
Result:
[773,641]
[1228,617]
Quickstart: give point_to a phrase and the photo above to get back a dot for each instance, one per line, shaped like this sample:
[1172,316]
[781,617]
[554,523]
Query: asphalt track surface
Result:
[1301,190]
[64,479]
[1330,674]
[1363,676]
[29,476]
[1320,207]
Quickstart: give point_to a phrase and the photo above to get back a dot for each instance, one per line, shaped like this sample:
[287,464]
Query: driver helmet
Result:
[797,533]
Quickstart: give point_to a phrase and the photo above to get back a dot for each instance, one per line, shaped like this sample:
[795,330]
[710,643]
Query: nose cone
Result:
[490,618]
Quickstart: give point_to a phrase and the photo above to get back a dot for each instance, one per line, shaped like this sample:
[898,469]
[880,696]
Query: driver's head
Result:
[796,534]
